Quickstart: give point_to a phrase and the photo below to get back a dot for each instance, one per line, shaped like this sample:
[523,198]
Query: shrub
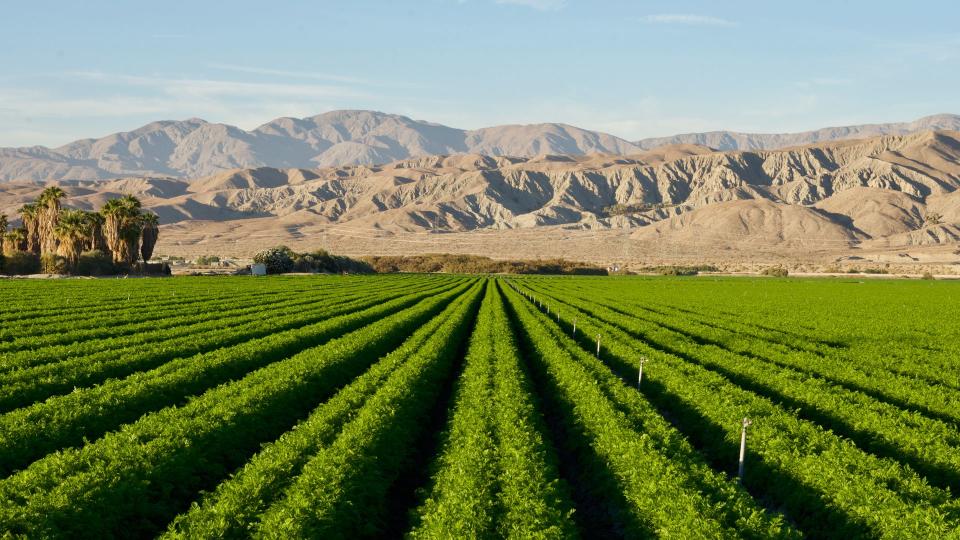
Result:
[927,275]
[95,263]
[22,263]
[278,260]
[53,264]
[775,271]
[680,270]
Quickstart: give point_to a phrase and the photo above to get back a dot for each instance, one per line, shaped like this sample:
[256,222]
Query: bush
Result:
[53,264]
[95,263]
[21,263]
[775,271]
[207,260]
[278,260]
[927,275]
[475,264]
[679,270]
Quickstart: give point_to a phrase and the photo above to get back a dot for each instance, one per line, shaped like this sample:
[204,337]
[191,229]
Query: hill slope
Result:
[732,140]
[195,148]
[838,196]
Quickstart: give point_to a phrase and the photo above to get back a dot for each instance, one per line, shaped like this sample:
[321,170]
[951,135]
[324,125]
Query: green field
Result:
[442,406]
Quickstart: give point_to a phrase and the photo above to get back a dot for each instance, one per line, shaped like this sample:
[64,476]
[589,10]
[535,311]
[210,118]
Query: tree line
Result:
[55,238]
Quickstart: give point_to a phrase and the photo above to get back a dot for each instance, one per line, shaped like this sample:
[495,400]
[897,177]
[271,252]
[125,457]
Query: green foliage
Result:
[680,270]
[474,264]
[440,406]
[21,263]
[775,271]
[208,260]
[95,263]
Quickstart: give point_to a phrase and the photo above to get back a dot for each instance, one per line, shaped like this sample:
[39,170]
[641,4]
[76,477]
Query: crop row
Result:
[234,509]
[928,445]
[635,464]
[825,482]
[496,475]
[22,387]
[131,482]
[29,433]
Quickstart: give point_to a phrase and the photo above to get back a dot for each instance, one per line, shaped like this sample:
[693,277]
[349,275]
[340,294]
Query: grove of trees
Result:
[54,239]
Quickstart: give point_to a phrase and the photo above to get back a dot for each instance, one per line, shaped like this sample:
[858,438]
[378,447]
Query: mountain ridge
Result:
[195,148]
[892,192]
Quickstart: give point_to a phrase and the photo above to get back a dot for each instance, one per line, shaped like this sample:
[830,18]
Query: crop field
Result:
[443,406]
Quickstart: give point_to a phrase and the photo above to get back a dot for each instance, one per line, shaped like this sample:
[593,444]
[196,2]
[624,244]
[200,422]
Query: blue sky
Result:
[635,69]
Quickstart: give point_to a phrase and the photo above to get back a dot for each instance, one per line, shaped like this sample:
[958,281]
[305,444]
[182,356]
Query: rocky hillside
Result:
[732,140]
[889,191]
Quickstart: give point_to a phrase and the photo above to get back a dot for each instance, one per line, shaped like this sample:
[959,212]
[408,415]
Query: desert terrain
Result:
[889,201]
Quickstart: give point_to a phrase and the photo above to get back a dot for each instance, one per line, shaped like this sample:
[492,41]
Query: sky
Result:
[71,70]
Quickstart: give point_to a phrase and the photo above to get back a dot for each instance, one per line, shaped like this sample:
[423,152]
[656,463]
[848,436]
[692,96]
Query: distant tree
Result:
[122,228]
[28,215]
[14,241]
[3,230]
[278,260]
[96,240]
[73,233]
[48,213]
[149,233]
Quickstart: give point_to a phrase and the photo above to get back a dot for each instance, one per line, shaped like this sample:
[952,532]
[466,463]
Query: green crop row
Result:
[825,482]
[342,491]
[25,386]
[638,466]
[496,476]
[29,433]
[133,481]
[234,508]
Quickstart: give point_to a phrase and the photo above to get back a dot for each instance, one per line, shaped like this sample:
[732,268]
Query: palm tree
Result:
[150,225]
[121,227]
[14,241]
[95,240]
[3,230]
[28,214]
[72,231]
[47,216]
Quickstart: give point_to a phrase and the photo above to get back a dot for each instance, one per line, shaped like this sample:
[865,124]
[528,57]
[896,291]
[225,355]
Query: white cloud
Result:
[686,19]
[288,73]
[210,88]
[542,5]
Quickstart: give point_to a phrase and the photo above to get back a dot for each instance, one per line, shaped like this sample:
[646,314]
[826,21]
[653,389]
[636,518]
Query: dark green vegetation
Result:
[475,264]
[446,406]
[57,240]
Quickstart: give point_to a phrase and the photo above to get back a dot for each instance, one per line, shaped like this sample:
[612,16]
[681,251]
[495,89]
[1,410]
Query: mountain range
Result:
[195,148]
[890,195]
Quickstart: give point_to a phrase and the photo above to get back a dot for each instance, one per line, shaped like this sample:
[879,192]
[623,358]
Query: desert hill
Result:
[732,140]
[195,148]
[833,199]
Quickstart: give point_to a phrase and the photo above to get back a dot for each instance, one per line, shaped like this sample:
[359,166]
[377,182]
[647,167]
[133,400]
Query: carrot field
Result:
[445,406]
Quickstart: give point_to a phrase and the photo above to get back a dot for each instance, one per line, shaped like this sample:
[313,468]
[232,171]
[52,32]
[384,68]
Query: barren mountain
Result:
[838,198]
[732,140]
[194,148]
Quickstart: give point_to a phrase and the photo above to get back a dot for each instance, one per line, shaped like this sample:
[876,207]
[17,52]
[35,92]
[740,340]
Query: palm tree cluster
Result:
[121,228]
